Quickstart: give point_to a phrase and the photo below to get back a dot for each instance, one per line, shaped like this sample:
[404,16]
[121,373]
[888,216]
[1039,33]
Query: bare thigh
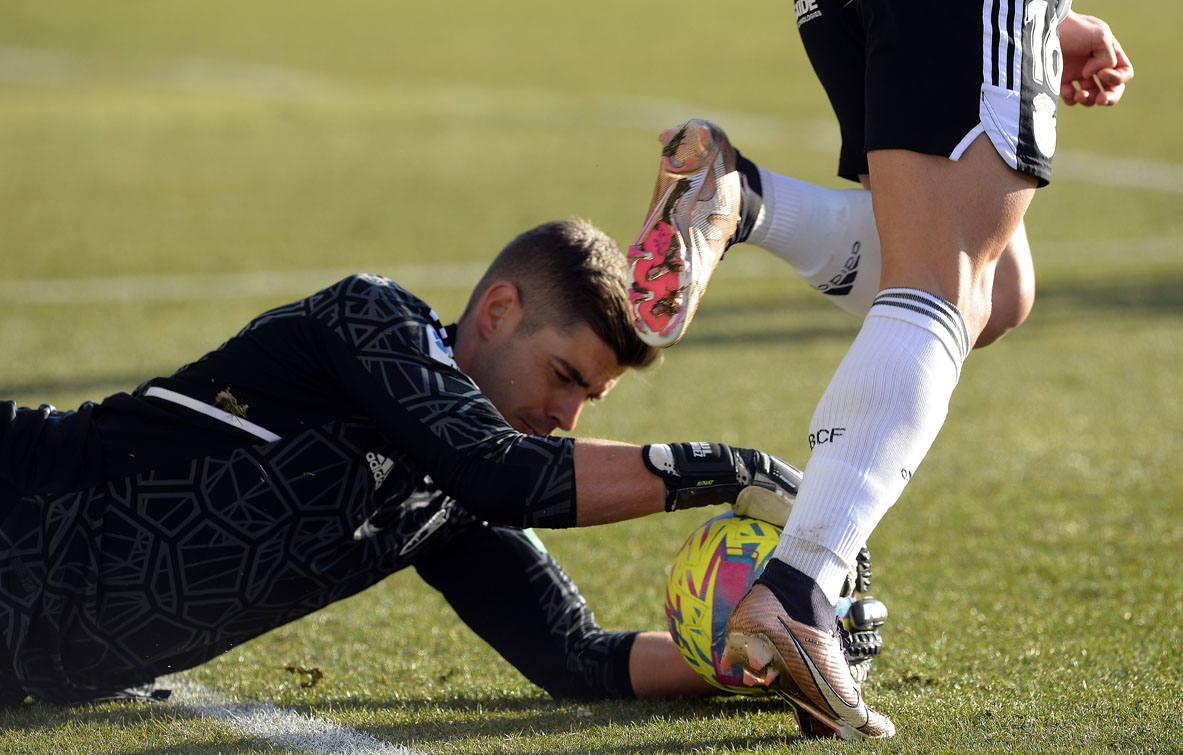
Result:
[944,224]
[1012,293]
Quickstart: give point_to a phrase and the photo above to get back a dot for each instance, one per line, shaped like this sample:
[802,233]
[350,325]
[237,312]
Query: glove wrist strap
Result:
[695,474]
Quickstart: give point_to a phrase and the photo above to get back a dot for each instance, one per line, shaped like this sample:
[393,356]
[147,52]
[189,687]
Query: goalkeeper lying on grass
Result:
[331,443]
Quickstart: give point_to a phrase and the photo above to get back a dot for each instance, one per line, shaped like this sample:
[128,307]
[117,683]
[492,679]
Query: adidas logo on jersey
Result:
[380,467]
[807,10]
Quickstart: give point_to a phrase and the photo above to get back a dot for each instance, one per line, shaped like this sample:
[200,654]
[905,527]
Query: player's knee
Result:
[1006,313]
[1013,294]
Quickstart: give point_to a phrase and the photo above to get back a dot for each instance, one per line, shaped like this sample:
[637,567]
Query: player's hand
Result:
[772,490]
[1096,69]
[702,474]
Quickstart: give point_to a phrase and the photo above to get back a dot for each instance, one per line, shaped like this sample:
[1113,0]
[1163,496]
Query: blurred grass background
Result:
[153,153]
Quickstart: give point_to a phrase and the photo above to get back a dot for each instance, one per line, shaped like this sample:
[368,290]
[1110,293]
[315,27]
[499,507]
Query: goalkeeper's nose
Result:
[564,411]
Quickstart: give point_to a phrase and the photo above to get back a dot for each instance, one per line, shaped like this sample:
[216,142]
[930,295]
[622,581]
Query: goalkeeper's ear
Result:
[499,310]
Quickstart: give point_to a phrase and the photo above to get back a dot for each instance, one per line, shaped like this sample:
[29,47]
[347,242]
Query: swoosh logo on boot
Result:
[849,714]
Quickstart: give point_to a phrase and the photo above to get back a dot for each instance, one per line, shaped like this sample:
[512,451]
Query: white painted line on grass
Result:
[257,81]
[221,286]
[1123,172]
[440,276]
[279,727]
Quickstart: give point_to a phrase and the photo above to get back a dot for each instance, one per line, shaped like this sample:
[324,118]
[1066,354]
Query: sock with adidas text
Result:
[827,235]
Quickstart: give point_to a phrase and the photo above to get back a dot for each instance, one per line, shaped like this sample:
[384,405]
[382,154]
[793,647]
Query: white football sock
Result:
[874,424]
[827,235]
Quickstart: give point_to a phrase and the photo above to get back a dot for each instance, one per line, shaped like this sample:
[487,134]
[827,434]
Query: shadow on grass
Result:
[439,721]
[238,746]
[1141,296]
[34,715]
[443,720]
[121,716]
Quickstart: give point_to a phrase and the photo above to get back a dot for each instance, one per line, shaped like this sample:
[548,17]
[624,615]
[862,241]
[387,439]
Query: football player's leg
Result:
[829,236]
[509,591]
[882,410]
[880,414]
[943,224]
[830,239]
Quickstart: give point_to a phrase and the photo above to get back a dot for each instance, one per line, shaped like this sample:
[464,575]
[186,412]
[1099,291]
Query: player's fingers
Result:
[1125,69]
[1099,60]
[1068,92]
[1124,64]
[1079,93]
[1110,85]
[1094,89]
[1110,96]
[1111,78]
[1092,93]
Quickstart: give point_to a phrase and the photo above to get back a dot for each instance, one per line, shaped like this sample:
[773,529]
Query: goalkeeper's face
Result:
[541,379]
[538,375]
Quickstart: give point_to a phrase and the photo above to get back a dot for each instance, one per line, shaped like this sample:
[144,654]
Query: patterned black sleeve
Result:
[505,586]
[390,356]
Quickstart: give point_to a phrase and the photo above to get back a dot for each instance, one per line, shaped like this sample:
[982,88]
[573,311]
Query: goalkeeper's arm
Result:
[615,482]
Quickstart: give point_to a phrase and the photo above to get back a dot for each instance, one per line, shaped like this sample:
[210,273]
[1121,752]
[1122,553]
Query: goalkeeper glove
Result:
[757,484]
[859,618]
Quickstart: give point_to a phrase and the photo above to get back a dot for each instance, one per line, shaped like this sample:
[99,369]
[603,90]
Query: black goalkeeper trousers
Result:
[519,600]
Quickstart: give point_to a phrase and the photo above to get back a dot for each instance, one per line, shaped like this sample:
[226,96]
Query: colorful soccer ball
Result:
[714,569]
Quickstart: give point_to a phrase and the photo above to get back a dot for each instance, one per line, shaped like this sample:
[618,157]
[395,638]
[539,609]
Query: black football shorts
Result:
[930,76]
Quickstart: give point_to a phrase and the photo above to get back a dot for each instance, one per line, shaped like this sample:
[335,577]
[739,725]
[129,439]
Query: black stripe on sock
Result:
[946,308]
[943,312]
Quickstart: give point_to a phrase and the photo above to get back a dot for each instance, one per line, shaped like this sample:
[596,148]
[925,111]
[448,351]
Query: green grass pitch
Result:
[1033,567]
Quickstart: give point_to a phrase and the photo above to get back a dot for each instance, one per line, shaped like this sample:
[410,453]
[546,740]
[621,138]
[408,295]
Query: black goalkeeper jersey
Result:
[307,458]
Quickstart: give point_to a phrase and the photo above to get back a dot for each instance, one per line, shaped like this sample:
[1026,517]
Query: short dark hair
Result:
[567,272]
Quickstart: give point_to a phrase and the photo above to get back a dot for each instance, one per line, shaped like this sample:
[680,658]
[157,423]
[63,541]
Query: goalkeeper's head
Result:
[553,305]
[568,272]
